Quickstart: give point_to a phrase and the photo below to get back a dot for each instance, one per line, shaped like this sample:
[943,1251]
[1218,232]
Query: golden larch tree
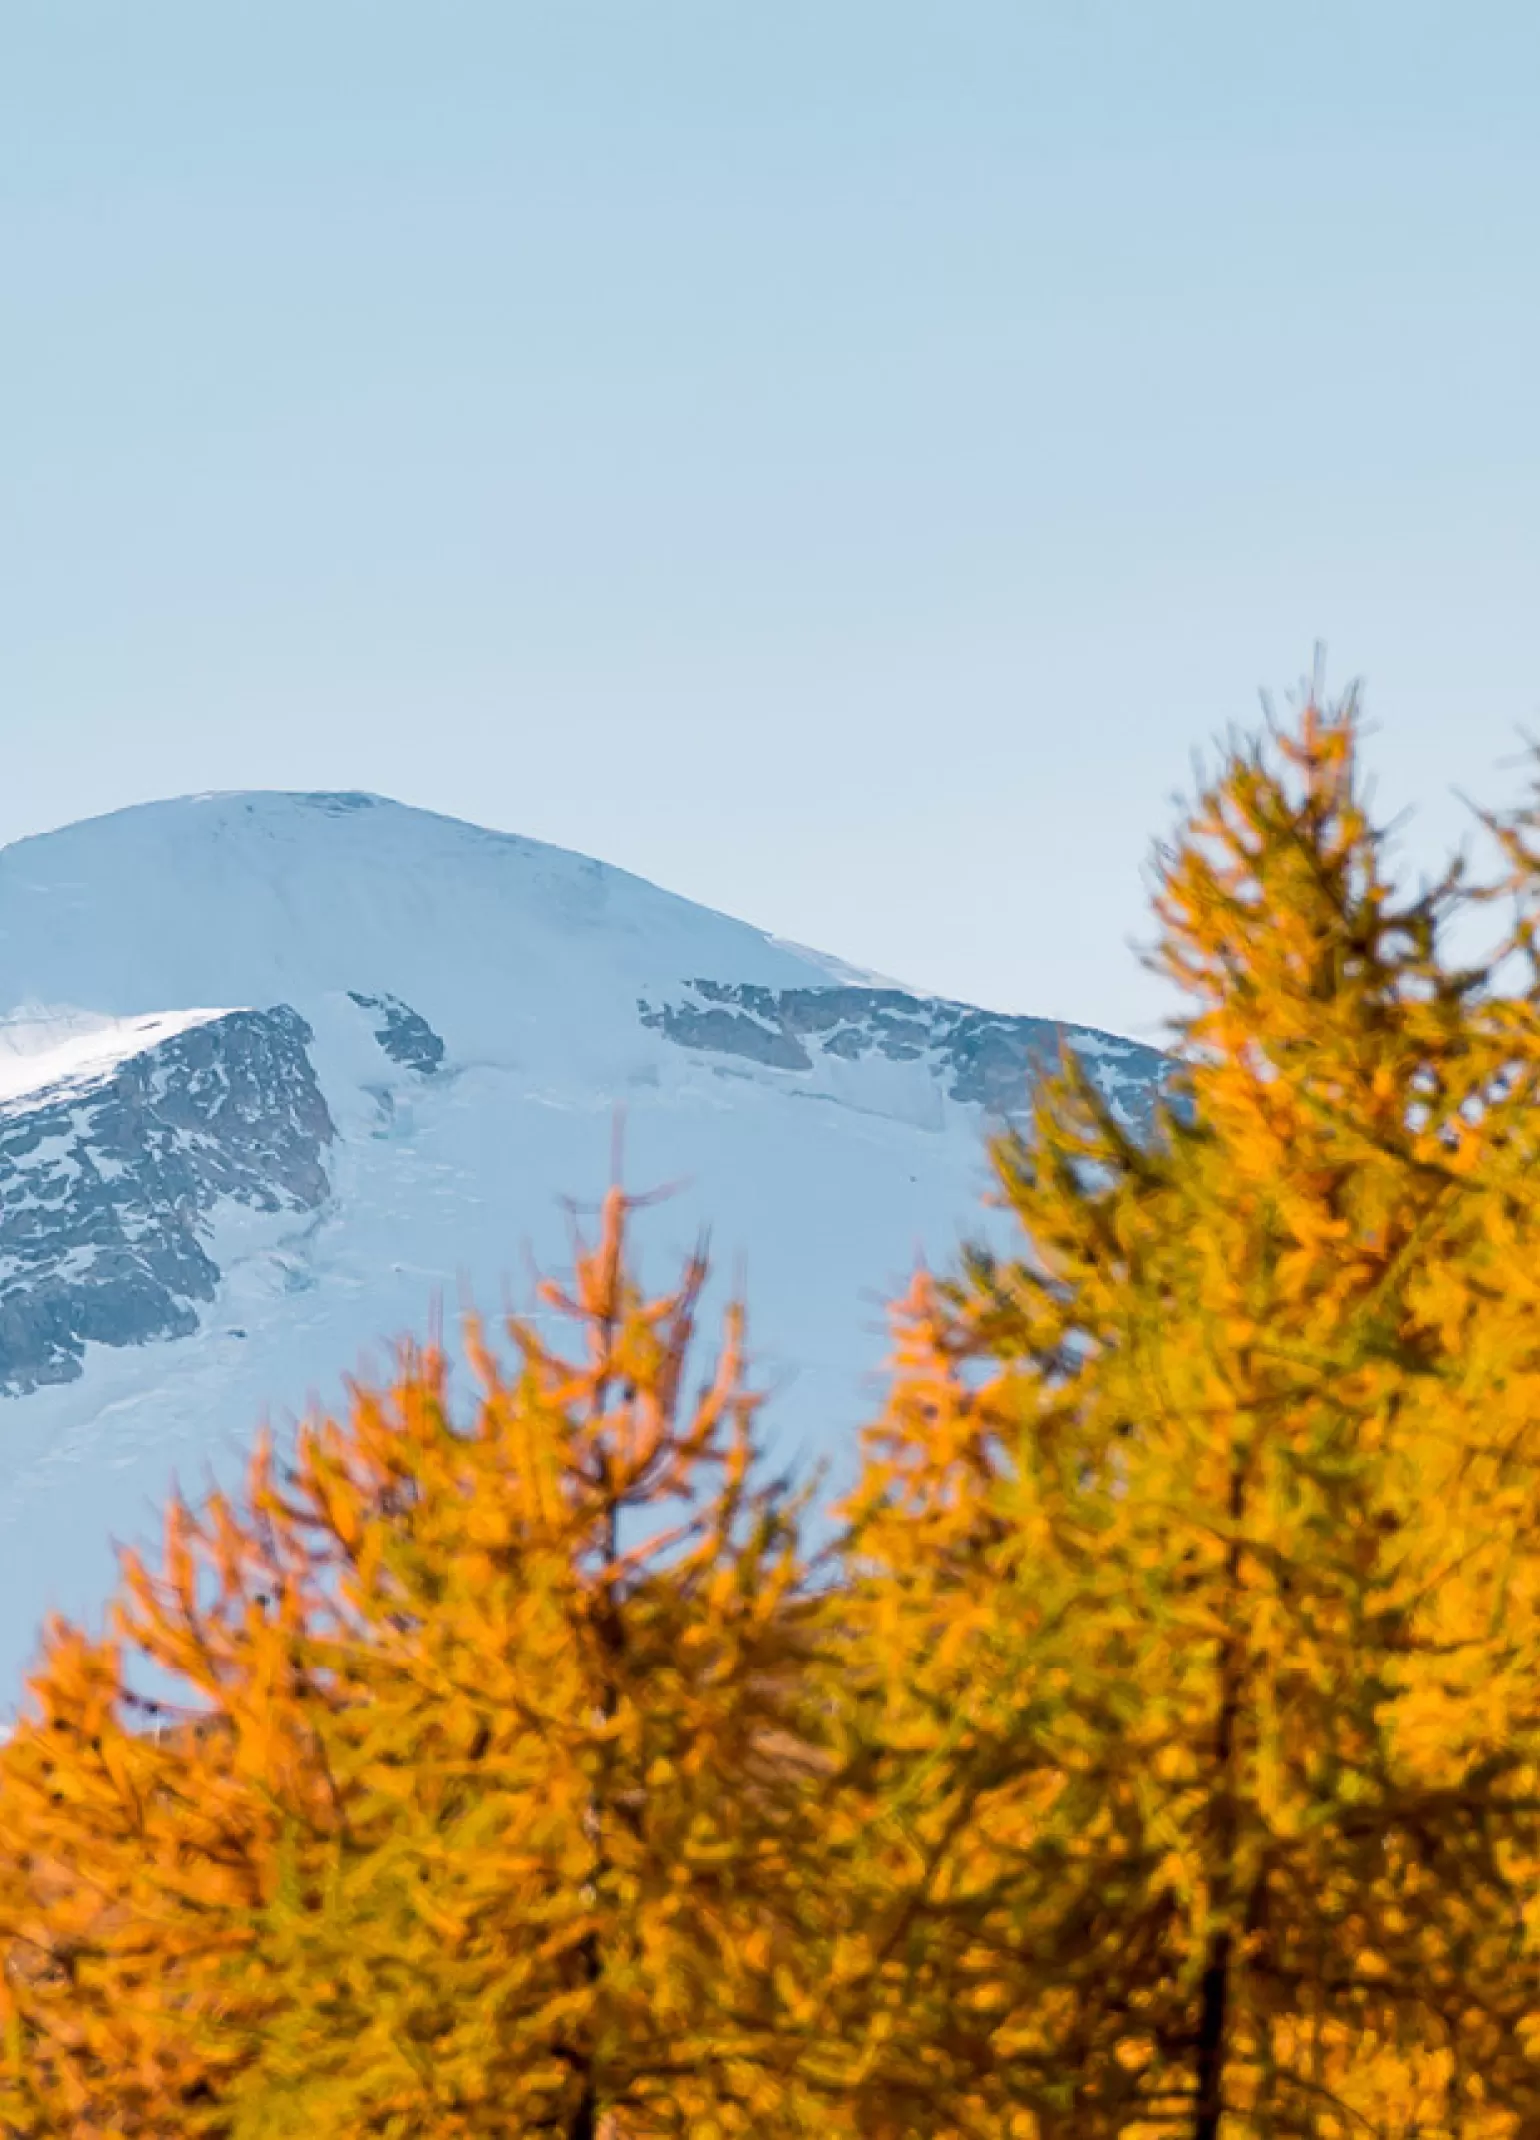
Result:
[1194,1605]
[489,1810]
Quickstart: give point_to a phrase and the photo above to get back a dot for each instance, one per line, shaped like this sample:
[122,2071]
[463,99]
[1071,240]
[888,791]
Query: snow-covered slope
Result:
[277,1071]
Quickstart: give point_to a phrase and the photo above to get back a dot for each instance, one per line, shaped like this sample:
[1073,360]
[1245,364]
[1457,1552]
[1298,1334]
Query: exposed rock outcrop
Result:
[985,1057]
[109,1181]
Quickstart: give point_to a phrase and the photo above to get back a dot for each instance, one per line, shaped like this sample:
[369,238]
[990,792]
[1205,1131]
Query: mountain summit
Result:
[279,1070]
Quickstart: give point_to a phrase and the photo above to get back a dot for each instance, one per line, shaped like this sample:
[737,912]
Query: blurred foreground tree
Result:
[486,1817]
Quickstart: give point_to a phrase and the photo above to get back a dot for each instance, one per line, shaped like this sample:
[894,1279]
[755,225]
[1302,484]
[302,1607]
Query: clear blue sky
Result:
[837,458]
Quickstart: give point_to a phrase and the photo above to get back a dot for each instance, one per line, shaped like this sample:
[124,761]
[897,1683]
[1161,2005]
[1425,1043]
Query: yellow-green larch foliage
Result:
[1194,1609]
[489,1814]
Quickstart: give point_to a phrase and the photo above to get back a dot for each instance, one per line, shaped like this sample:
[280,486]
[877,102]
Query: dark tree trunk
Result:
[1212,2019]
[585,2120]
[1214,1991]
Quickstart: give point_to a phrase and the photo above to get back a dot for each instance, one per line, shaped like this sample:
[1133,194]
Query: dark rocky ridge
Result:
[984,1057]
[106,1178]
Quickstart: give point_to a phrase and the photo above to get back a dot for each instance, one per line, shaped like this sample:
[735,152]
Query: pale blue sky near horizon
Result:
[838,460]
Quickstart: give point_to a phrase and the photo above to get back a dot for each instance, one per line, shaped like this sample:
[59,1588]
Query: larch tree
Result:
[489,1809]
[1194,1602]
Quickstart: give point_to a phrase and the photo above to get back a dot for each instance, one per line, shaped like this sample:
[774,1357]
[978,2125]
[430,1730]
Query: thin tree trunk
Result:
[1213,2031]
[1214,1988]
[586,2121]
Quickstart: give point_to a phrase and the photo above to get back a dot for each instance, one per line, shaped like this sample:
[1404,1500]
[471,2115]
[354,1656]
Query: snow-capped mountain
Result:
[277,1071]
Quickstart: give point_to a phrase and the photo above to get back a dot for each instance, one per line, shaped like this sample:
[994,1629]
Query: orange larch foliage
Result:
[496,1813]
[1198,1552]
